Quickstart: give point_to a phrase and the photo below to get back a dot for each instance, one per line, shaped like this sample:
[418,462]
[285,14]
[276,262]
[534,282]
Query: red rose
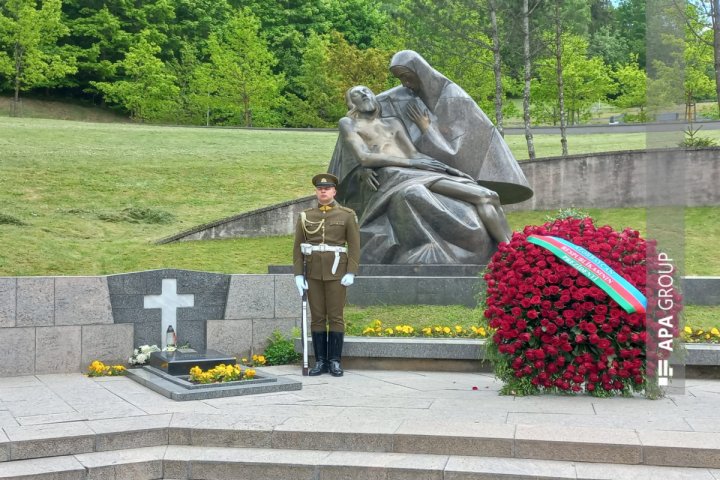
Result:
[535,302]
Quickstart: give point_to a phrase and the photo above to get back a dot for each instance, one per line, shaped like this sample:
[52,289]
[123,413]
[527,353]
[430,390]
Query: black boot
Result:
[335,346]
[320,346]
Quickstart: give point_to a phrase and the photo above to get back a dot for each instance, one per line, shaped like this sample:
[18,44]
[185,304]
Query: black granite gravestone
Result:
[182,360]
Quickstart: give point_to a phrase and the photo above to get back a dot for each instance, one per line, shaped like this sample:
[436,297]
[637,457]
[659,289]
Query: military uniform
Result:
[333,232]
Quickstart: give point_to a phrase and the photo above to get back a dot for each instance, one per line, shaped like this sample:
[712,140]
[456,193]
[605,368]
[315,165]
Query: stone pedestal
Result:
[181,361]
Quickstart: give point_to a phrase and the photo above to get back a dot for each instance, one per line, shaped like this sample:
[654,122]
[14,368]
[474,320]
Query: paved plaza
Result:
[457,420]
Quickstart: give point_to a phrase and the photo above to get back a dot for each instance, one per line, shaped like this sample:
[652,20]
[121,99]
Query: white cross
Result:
[169,302]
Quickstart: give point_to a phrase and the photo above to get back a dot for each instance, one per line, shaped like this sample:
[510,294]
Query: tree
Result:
[632,87]
[148,90]
[632,26]
[610,45]
[586,81]
[331,66]
[242,72]
[99,42]
[562,13]
[526,12]
[462,39]
[29,52]
[702,20]
[559,78]
[101,34]
[319,104]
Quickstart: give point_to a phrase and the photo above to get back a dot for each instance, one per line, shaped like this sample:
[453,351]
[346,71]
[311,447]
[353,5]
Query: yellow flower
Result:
[427,331]
[261,359]
[446,330]
[458,329]
[249,373]
[688,330]
[715,331]
[389,331]
[244,360]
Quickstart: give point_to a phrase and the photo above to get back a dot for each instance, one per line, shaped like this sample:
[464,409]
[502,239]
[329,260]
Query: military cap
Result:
[325,180]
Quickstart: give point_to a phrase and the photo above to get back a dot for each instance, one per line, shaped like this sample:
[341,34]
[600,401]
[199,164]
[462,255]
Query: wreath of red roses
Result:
[556,330]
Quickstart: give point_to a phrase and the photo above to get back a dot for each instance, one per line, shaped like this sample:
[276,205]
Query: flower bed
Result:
[99,369]
[557,331]
[700,335]
[221,374]
[378,329]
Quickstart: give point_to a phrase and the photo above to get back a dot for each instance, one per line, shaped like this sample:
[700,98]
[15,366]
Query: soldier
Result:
[329,238]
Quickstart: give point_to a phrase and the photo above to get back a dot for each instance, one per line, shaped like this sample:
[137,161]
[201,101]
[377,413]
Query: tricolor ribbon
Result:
[597,271]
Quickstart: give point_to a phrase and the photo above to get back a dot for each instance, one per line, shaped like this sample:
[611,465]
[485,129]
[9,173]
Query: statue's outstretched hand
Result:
[458,173]
[369,177]
[419,115]
[427,163]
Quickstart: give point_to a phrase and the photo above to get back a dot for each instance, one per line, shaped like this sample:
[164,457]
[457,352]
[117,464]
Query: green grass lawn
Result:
[70,184]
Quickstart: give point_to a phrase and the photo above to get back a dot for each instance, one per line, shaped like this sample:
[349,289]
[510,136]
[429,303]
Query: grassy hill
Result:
[59,110]
[91,198]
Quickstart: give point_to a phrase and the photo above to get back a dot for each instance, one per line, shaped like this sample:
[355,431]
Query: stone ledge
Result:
[190,462]
[540,442]
[698,354]
[174,389]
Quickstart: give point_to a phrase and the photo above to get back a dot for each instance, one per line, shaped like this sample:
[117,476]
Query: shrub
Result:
[693,140]
[280,350]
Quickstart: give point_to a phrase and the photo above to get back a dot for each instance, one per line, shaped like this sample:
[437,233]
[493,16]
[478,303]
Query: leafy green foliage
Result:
[239,77]
[586,82]
[149,91]
[30,53]
[280,350]
[331,65]
[570,212]
[631,81]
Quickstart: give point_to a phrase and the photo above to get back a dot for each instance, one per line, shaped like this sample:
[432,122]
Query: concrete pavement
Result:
[454,421]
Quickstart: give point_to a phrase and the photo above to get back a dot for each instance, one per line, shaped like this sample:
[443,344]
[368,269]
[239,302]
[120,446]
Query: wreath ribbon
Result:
[597,271]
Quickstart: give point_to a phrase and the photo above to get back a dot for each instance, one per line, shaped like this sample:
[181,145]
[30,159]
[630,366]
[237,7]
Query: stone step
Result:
[367,437]
[702,360]
[196,462]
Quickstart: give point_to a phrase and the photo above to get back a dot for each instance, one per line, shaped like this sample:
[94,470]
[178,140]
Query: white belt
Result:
[308,249]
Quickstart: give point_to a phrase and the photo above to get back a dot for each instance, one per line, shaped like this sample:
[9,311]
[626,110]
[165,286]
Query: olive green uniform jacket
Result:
[337,226]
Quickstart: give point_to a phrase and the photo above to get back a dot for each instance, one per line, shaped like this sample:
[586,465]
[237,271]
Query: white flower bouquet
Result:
[141,354]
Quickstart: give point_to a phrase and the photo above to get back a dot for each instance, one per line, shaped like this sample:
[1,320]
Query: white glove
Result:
[301,284]
[348,279]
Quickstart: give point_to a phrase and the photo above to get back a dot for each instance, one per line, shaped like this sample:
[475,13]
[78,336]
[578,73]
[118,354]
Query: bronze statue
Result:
[417,195]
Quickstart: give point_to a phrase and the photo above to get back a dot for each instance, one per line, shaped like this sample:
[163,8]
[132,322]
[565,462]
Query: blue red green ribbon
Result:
[597,271]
